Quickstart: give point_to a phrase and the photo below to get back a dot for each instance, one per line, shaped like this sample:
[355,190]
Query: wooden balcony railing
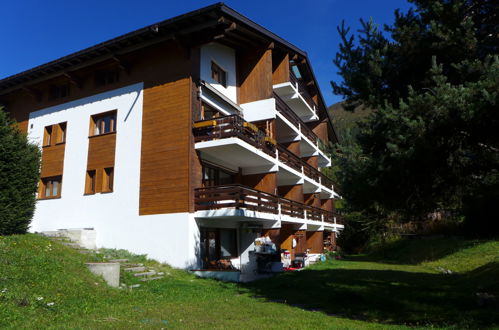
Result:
[295,162]
[241,197]
[326,181]
[301,89]
[290,115]
[289,158]
[233,126]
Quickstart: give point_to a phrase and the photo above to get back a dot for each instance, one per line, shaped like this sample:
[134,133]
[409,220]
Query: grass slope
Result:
[386,290]
[405,283]
[36,272]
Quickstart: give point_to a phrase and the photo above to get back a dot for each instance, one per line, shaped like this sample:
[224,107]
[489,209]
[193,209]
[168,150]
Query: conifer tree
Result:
[432,142]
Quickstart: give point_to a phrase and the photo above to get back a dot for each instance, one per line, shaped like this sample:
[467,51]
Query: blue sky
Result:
[35,32]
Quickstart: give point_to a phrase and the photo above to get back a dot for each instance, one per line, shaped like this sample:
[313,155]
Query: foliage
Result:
[434,82]
[19,175]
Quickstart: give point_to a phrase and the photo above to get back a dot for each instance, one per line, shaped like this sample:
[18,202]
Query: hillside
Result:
[45,284]
[344,120]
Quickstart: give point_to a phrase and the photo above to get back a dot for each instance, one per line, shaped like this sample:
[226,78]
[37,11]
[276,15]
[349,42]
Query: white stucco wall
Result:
[225,57]
[170,238]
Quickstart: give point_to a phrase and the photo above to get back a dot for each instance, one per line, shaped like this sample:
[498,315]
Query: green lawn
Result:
[358,292]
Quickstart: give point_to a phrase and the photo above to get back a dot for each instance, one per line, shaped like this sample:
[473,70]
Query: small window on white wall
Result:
[218,74]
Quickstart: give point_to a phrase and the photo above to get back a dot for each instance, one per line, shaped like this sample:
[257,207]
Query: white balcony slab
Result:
[290,94]
[311,186]
[234,153]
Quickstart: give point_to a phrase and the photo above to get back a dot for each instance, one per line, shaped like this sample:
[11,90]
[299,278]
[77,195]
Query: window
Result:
[218,74]
[103,123]
[106,77]
[90,182]
[214,176]
[61,136]
[216,245]
[108,179]
[58,91]
[51,187]
[47,136]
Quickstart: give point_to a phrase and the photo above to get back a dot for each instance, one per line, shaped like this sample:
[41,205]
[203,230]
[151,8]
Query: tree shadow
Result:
[415,251]
[385,296]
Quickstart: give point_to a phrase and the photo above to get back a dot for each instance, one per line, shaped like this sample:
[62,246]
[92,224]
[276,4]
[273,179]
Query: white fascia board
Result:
[325,159]
[259,110]
[291,170]
[316,184]
[295,129]
[239,214]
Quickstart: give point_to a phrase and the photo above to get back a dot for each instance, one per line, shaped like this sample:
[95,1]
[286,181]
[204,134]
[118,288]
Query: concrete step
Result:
[127,265]
[150,273]
[151,278]
[135,269]
[118,260]
[133,286]
[85,251]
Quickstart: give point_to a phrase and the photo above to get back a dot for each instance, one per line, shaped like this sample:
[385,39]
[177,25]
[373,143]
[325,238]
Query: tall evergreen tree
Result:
[19,175]
[432,142]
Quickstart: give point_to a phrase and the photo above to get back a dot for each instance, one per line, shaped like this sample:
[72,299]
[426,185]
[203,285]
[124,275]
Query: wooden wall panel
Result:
[327,204]
[166,148]
[315,241]
[280,68]
[52,160]
[293,192]
[254,75]
[286,237]
[101,151]
[263,181]
[312,200]
[301,241]
[320,129]
[274,235]
[101,155]
[312,160]
[294,147]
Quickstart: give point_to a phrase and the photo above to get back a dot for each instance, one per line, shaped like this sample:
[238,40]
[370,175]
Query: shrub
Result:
[19,175]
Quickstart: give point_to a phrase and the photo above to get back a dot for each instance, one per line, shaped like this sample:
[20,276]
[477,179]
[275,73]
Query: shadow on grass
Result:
[415,251]
[385,296]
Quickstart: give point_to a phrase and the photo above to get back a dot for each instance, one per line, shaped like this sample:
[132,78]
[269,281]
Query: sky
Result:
[35,32]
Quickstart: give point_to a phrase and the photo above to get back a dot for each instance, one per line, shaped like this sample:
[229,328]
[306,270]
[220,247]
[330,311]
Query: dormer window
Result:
[218,74]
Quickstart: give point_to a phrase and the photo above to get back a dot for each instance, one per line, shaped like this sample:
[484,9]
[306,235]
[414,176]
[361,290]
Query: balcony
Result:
[297,98]
[238,197]
[293,118]
[311,144]
[232,141]
[290,159]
